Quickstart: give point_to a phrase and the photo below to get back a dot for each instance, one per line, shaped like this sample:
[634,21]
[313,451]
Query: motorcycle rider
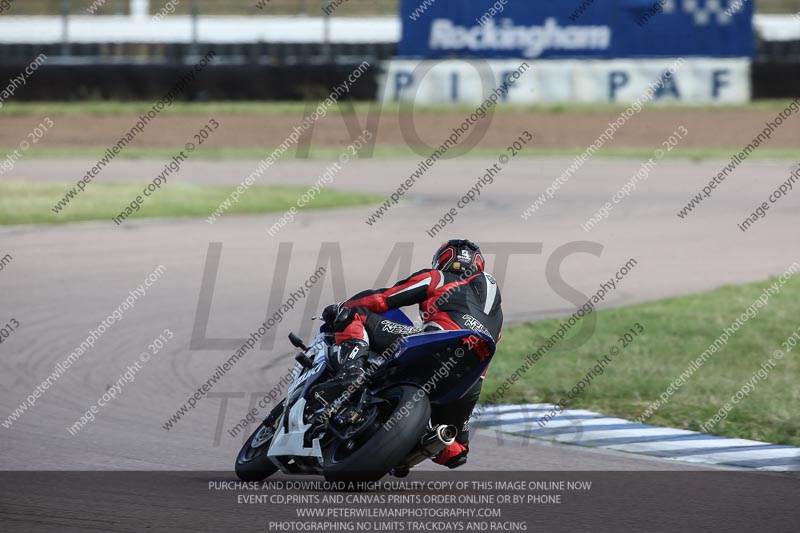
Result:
[454,294]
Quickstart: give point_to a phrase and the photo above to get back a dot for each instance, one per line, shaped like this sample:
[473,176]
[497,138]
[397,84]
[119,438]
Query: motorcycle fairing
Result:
[396,315]
[289,438]
[420,356]
[289,441]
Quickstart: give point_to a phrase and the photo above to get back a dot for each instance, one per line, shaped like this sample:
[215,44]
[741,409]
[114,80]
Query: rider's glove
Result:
[329,313]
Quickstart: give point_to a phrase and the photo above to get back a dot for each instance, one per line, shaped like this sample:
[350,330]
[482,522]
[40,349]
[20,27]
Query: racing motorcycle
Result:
[375,426]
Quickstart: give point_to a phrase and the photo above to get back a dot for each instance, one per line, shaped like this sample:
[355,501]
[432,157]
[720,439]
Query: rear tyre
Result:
[385,446]
[252,463]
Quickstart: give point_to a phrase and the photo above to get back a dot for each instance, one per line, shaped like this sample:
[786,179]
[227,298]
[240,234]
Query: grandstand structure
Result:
[263,34]
[256,31]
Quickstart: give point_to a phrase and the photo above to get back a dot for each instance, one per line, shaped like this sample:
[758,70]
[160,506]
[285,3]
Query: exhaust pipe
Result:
[431,444]
[446,434]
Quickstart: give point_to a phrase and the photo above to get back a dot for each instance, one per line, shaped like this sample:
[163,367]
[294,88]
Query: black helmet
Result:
[458,255]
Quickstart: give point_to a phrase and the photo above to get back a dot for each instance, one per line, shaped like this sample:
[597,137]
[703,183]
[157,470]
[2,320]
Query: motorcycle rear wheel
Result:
[388,445]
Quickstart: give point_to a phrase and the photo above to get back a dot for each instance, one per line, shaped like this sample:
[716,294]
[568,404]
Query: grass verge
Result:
[24,202]
[676,331]
[100,107]
[400,152]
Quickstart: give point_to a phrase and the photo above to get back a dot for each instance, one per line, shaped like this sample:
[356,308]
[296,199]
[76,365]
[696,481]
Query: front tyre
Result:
[386,445]
[252,463]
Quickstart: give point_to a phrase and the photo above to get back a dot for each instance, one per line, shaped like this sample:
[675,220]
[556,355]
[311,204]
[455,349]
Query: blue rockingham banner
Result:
[555,29]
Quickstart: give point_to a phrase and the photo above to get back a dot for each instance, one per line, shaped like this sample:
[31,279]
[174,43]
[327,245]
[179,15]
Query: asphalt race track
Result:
[65,280]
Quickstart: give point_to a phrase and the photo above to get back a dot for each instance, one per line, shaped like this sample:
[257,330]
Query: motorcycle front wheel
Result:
[252,463]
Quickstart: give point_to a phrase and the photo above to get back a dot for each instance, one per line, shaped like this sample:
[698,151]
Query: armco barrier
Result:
[240,82]
[218,82]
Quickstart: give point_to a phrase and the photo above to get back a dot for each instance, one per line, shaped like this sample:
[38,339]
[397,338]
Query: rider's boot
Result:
[453,456]
[352,360]
[352,363]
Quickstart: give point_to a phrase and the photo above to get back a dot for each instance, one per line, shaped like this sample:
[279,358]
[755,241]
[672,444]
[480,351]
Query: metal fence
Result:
[350,8]
[167,47]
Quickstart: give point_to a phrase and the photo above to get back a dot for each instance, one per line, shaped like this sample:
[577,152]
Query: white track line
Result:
[711,442]
[526,418]
[744,455]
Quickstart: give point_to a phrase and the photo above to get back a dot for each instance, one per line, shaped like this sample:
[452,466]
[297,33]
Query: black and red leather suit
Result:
[447,300]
